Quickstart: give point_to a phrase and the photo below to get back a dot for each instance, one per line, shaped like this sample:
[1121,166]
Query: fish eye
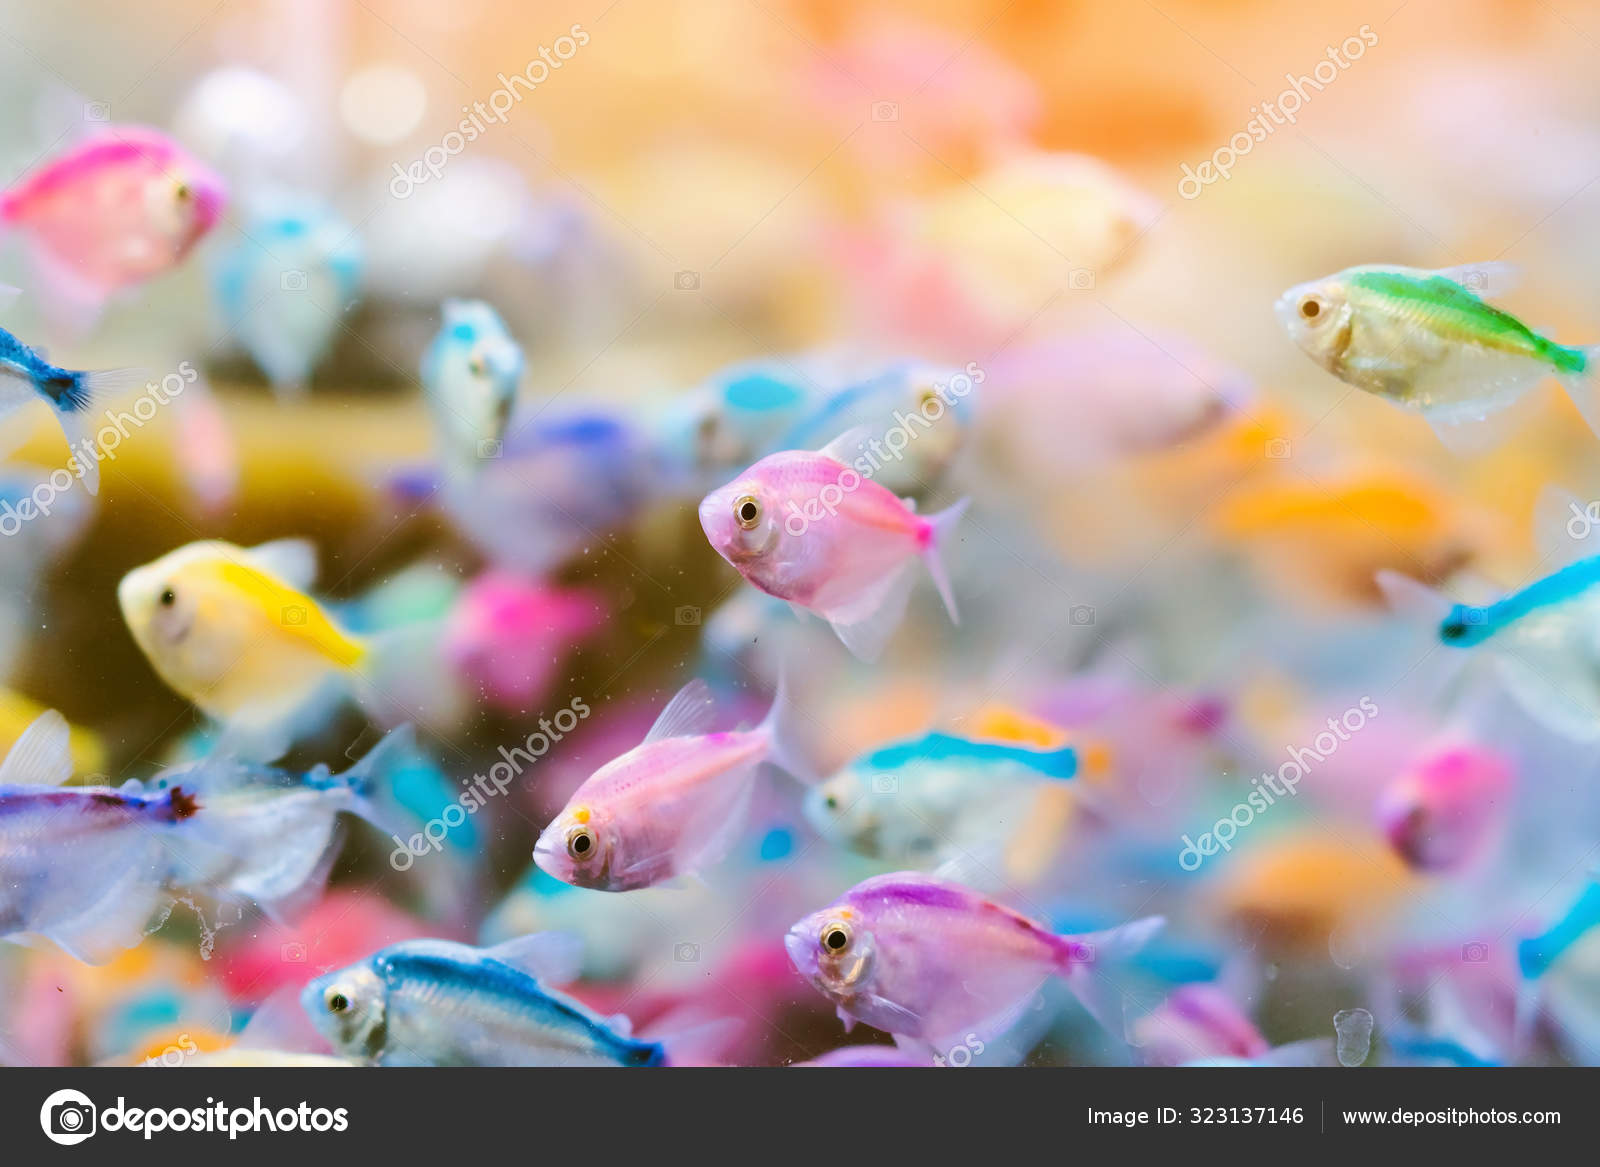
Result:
[1310,308]
[168,598]
[747,509]
[183,192]
[835,937]
[336,1001]
[580,842]
[475,366]
[928,398]
[831,802]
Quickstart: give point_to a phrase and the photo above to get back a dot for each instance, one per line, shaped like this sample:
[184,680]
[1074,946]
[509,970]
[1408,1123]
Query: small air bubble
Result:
[1354,1027]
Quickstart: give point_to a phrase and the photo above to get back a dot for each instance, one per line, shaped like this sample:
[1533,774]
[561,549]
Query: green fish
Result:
[1427,341]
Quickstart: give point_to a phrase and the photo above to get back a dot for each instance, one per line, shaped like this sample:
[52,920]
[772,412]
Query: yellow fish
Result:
[233,630]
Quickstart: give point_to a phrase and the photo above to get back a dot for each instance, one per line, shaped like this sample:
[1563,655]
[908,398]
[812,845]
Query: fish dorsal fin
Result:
[847,446]
[687,714]
[552,958]
[294,561]
[1485,280]
[42,756]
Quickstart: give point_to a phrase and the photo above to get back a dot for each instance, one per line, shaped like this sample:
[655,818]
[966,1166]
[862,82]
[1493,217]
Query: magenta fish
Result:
[668,807]
[508,634]
[813,528]
[1197,1021]
[119,208]
[933,962]
[1445,808]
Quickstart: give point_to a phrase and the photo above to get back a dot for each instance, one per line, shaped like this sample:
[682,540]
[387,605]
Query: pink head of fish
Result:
[117,208]
[508,635]
[806,528]
[1444,809]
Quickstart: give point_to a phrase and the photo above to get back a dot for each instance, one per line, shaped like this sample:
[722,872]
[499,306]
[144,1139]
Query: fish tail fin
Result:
[368,779]
[1089,964]
[940,527]
[784,749]
[1410,598]
[692,1037]
[73,395]
[1583,385]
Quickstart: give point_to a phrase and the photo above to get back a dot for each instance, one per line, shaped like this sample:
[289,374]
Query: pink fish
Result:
[111,212]
[931,961]
[1444,810]
[816,530]
[1197,1021]
[508,634]
[668,807]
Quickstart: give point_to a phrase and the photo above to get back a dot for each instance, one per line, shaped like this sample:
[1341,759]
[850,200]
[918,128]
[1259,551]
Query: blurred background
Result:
[1173,505]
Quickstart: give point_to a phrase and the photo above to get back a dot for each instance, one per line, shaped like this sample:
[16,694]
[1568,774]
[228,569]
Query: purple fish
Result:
[933,962]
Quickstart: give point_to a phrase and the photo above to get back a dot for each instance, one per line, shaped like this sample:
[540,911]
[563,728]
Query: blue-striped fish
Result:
[439,1003]
[921,800]
[25,374]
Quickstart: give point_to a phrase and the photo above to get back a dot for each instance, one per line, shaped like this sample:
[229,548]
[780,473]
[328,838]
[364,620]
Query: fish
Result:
[116,209]
[235,632]
[814,529]
[470,374]
[284,287]
[440,1003]
[929,961]
[507,635]
[562,482]
[756,408]
[1197,1021]
[1444,809]
[88,867]
[669,807]
[929,798]
[27,375]
[1429,342]
[1535,636]
[18,712]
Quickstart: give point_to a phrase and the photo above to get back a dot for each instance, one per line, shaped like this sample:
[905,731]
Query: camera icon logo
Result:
[294,616]
[292,281]
[686,953]
[885,111]
[1080,279]
[686,281]
[885,784]
[1278,449]
[1474,615]
[1082,952]
[1476,280]
[1475,952]
[490,448]
[1080,615]
[96,111]
[68,1117]
[687,616]
[292,953]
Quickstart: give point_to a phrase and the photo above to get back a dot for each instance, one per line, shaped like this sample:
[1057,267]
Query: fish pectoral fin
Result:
[42,756]
[711,833]
[689,713]
[129,886]
[552,958]
[866,625]
[1462,434]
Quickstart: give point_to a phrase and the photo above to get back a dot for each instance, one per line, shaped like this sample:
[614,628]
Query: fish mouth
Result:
[799,949]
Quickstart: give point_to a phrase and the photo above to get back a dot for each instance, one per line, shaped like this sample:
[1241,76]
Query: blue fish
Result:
[439,1003]
[25,374]
[284,287]
[470,373]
